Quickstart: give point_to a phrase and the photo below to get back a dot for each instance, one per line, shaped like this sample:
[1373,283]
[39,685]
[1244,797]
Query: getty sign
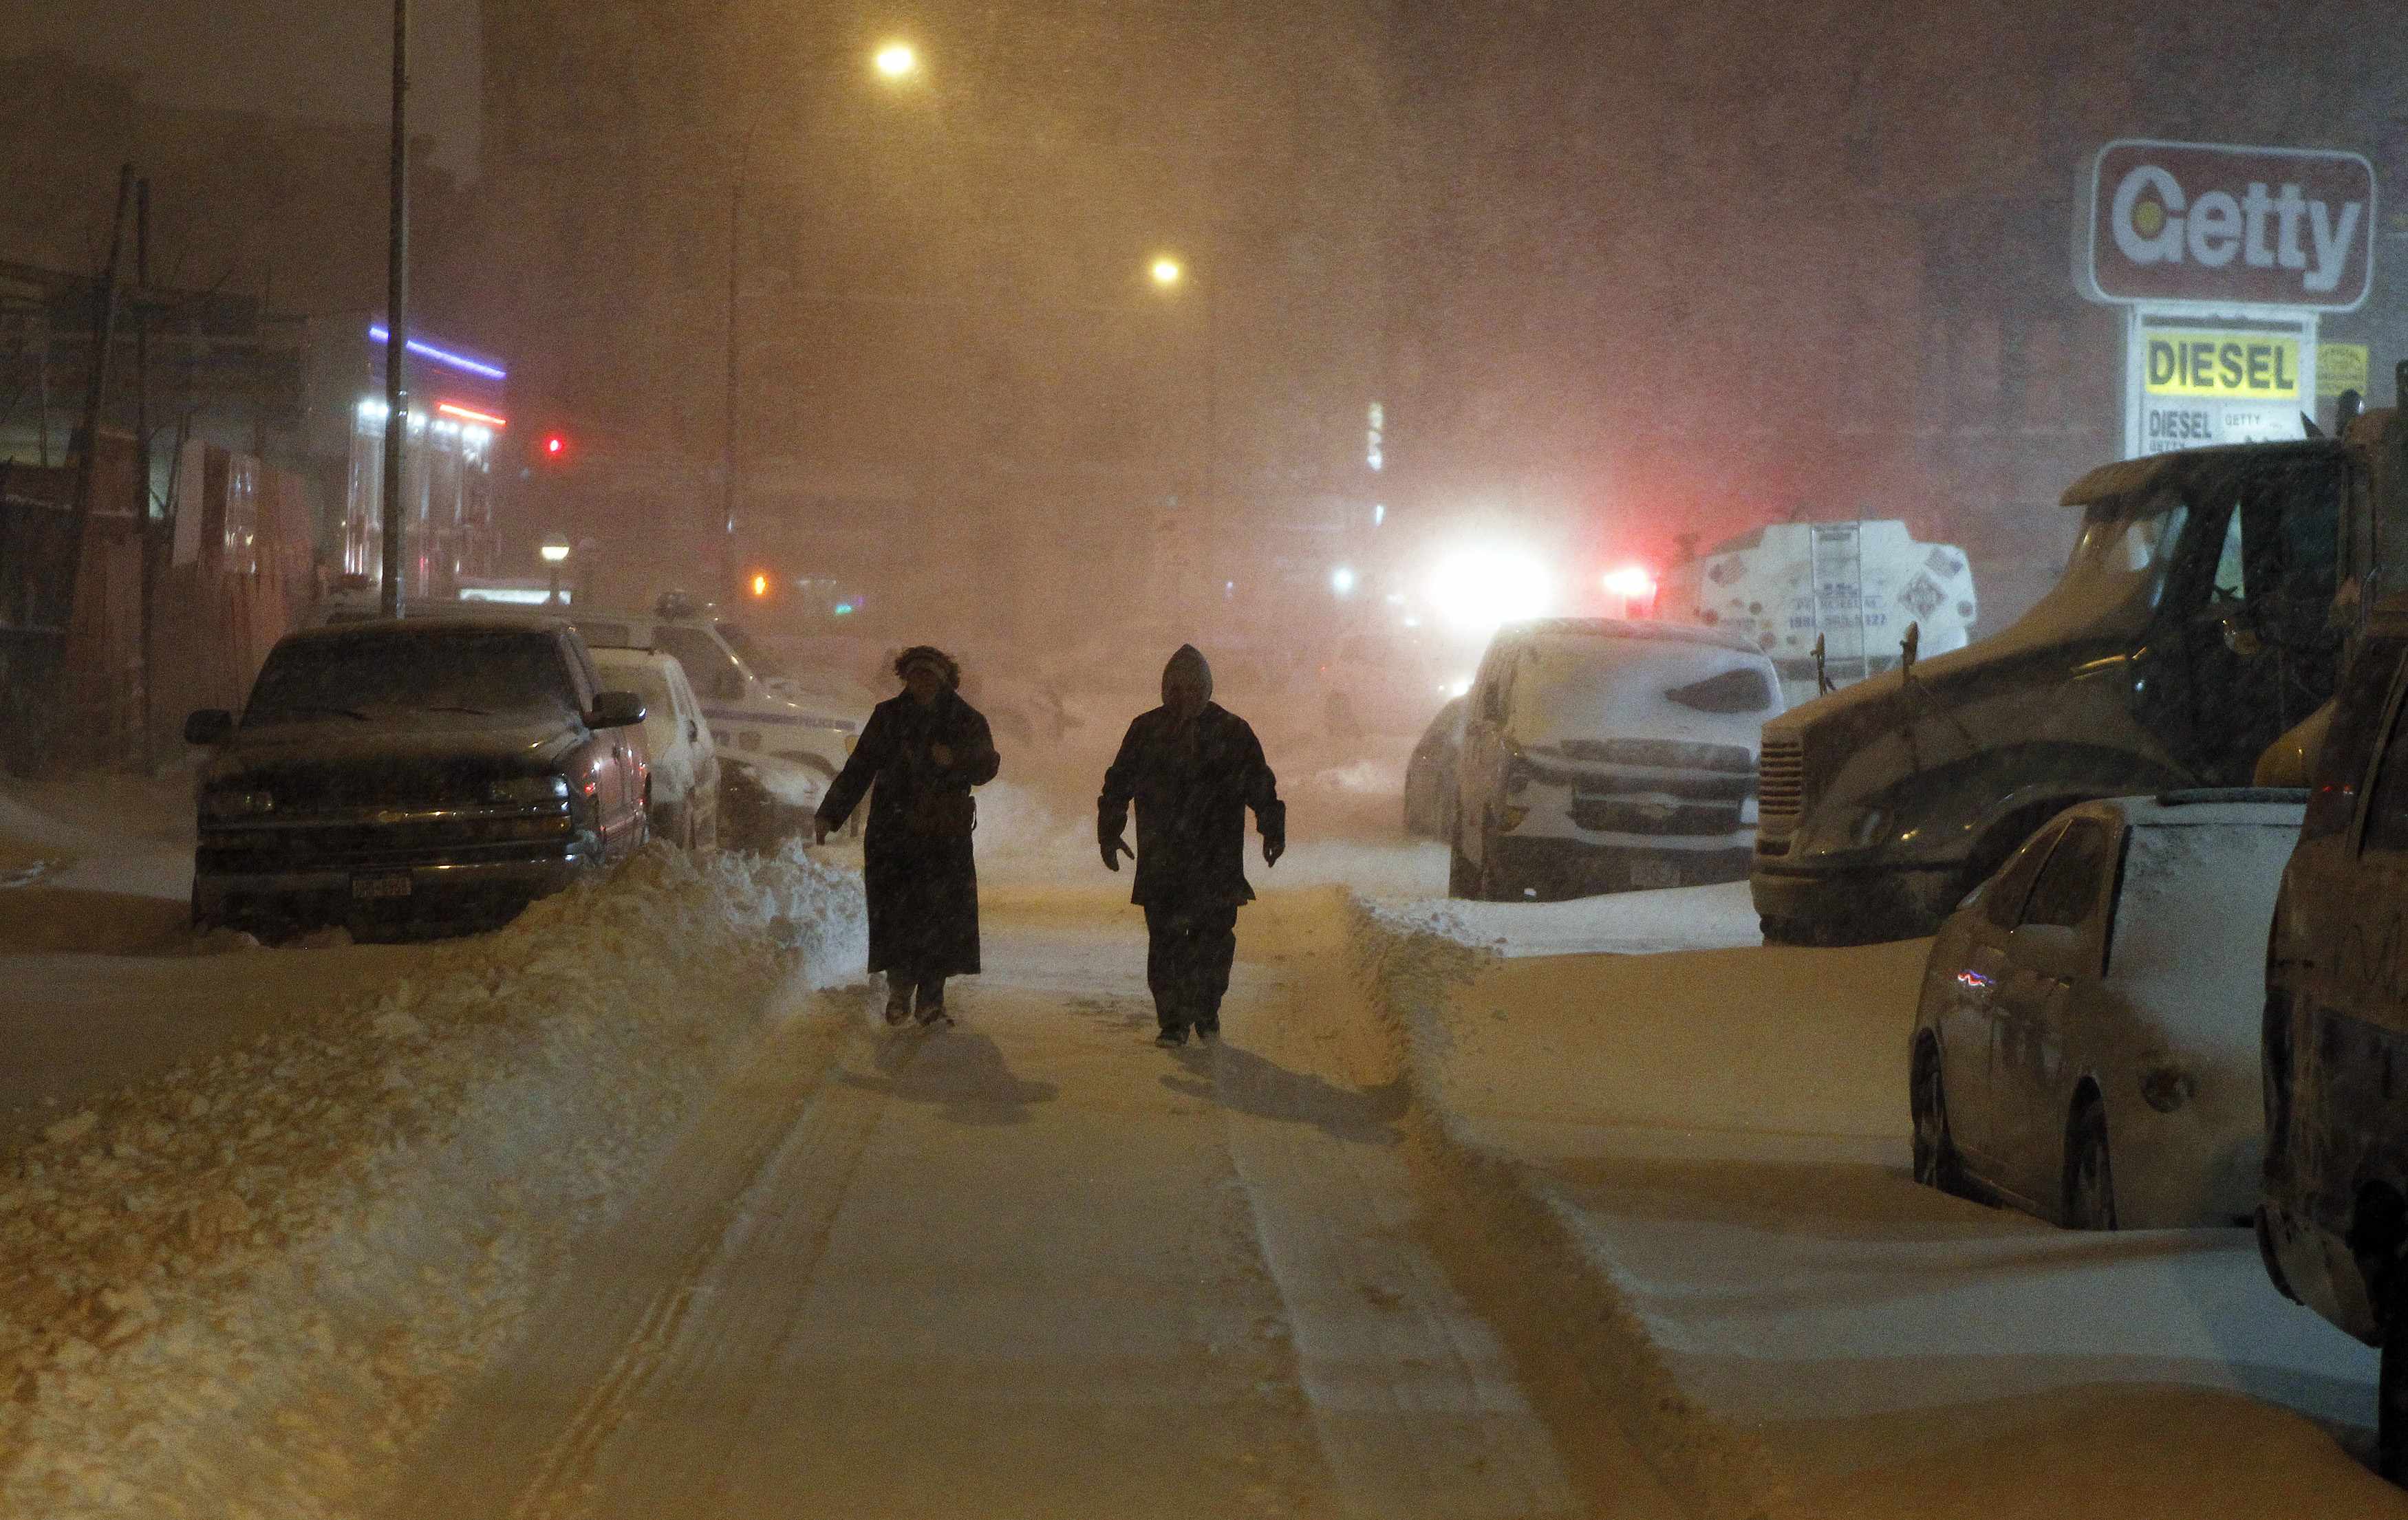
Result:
[2196,224]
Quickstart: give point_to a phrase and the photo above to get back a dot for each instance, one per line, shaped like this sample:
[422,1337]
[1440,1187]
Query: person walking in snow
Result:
[1193,768]
[918,757]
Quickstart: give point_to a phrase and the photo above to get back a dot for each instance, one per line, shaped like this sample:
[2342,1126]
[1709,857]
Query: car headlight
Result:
[235,802]
[530,791]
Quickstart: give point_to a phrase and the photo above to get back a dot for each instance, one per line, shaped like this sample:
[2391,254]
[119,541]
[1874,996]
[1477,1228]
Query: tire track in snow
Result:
[524,1441]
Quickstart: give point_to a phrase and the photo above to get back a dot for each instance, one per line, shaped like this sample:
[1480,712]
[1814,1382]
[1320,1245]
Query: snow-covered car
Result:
[752,706]
[2086,1043]
[1429,771]
[1601,755]
[684,761]
[765,801]
[440,770]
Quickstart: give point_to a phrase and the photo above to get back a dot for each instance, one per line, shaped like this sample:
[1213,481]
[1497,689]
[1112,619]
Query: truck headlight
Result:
[530,791]
[235,802]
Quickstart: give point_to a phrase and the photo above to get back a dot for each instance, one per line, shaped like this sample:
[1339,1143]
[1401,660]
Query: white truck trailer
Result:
[1854,584]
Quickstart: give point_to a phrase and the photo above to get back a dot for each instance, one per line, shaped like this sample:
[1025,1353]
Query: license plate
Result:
[1654,873]
[383,884]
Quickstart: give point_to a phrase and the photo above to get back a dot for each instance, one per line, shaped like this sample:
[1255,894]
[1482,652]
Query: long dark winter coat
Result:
[1192,791]
[923,886]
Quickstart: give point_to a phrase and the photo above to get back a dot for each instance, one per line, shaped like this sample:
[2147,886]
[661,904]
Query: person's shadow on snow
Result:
[1238,1078]
[961,1072]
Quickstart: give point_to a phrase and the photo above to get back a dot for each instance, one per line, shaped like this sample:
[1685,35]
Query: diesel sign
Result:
[2196,224]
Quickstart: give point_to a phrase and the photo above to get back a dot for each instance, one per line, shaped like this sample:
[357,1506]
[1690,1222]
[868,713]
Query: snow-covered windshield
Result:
[2122,552]
[646,680]
[1583,687]
[362,676]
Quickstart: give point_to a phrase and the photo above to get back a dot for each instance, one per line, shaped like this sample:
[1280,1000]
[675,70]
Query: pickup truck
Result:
[393,776]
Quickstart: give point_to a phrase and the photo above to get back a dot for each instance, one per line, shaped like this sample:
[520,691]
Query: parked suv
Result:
[2332,1220]
[1600,755]
[391,772]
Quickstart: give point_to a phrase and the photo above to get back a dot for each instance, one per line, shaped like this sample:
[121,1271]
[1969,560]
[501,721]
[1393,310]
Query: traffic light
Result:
[554,447]
[760,585]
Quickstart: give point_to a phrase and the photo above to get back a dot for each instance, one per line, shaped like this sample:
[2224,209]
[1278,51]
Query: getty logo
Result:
[2156,221]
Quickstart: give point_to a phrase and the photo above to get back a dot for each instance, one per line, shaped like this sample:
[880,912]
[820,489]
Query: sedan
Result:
[2086,1047]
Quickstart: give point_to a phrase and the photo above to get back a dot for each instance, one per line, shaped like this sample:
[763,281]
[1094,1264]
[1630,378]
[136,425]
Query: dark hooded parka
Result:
[917,861]
[1192,784]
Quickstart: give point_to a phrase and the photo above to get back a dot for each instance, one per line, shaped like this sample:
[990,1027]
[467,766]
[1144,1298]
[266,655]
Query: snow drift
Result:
[261,1276]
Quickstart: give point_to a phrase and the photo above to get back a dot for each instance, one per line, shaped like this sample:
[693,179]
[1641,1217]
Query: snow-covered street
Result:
[635,1208]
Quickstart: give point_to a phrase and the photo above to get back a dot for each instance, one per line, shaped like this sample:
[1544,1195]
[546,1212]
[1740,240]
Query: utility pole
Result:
[727,567]
[96,393]
[146,538]
[397,316]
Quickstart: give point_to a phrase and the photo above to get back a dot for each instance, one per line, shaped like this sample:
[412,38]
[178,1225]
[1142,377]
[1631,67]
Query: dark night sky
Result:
[328,58]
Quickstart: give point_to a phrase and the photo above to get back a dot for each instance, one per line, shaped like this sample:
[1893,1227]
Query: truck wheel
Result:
[2089,1174]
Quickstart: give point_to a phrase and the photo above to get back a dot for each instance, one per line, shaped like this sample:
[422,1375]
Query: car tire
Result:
[1936,1163]
[2089,1171]
[1496,882]
[2392,1382]
[1462,877]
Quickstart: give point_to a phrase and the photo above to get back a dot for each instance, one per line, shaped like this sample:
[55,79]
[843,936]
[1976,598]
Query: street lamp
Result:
[556,554]
[896,62]
[1169,275]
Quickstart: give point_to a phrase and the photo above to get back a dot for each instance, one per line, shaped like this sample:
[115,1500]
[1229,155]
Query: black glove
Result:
[1114,847]
[1274,845]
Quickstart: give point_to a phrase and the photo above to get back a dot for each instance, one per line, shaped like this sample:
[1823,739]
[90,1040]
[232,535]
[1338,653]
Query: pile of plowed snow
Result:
[261,1276]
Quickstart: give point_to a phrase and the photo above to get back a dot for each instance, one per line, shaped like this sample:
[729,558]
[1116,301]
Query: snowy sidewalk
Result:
[1722,1134]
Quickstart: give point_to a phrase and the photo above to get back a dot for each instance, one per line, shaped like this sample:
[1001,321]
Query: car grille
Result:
[1670,754]
[295,845]
[1780,786]
[1642,816]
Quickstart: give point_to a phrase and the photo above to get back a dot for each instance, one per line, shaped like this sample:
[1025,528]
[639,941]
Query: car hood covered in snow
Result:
[338,762]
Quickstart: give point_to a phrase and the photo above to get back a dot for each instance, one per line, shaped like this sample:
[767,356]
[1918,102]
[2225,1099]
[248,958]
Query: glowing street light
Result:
[1342,580]
[897,61]
[1168,273]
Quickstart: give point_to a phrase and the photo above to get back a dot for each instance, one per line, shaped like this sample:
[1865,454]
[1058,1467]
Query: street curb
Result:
[1721,1472]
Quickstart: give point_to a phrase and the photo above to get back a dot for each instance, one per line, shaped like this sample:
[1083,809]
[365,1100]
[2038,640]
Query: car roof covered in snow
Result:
[2271,807]
[1628,627]
[2126,478]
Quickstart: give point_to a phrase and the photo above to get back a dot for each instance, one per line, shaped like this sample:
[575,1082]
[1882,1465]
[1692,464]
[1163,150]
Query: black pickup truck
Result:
[386,776]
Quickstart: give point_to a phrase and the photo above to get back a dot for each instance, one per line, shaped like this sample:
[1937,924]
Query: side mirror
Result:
[210,726]
[2241,639]
[615,710]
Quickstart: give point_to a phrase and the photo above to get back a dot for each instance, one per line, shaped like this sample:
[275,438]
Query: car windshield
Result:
[749,649]
[648,681]
[366,675]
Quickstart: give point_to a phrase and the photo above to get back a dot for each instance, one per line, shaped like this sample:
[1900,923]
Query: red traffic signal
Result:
[555,447]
